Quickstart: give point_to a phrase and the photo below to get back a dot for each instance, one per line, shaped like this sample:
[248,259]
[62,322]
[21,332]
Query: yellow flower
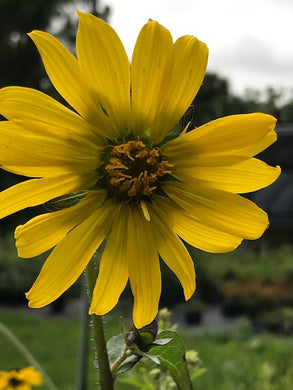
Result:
[137,188]
[20,379]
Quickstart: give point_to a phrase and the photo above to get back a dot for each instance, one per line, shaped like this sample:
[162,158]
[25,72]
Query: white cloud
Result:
[250,62]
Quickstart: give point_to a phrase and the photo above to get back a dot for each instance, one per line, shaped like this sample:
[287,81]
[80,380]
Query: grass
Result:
[235,360]
[52,341]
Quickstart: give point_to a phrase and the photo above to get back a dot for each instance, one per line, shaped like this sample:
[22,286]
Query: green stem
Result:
[106,378]
[82,377]
[114,367]
[26,353]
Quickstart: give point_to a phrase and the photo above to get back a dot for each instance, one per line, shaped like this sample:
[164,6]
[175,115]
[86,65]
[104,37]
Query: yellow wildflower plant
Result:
[133,184]
[20,379]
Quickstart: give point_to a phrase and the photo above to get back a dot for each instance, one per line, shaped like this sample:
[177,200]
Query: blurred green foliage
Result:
[255,283]
[17,276]
[245,265]
[234,359]
[251,282]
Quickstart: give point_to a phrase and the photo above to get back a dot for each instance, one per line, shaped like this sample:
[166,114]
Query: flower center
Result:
[133,171]
[15,383]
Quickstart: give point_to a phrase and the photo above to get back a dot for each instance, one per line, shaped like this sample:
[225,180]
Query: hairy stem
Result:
[105,377]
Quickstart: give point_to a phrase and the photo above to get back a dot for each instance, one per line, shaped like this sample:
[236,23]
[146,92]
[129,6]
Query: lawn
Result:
[234,360]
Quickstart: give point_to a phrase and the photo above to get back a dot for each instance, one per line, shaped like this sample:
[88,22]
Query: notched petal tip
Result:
[93,311]
[34,32]
[36,35]
[17,231]
[193,41]
[85,18]
[31,303]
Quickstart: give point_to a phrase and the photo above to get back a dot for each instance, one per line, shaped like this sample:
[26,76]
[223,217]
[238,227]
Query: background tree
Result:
[215,100]
[287,112]
[20,62]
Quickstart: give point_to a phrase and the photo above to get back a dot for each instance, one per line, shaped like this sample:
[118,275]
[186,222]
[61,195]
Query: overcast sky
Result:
[250,41]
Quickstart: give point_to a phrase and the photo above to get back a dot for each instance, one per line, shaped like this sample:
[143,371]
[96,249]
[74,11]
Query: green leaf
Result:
[172,356]
[65,201]
[179,127]
[137,383]
[152,358]
[161,342]
[116,347]
[128,364]
[174,133]
[187,118]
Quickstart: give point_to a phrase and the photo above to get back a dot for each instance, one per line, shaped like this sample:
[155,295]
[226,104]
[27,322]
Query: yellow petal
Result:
[113,270]
[104,62]
[172,251]
[70,257]
[197,233]
[150,72]
[66,76]
[204,237]
[185,160]
[190,62]
[242,135]
[37,191]
[246,176]
[38,112]
[45,231]
[143,267]
[50,156]
[220,210]
[29,376]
